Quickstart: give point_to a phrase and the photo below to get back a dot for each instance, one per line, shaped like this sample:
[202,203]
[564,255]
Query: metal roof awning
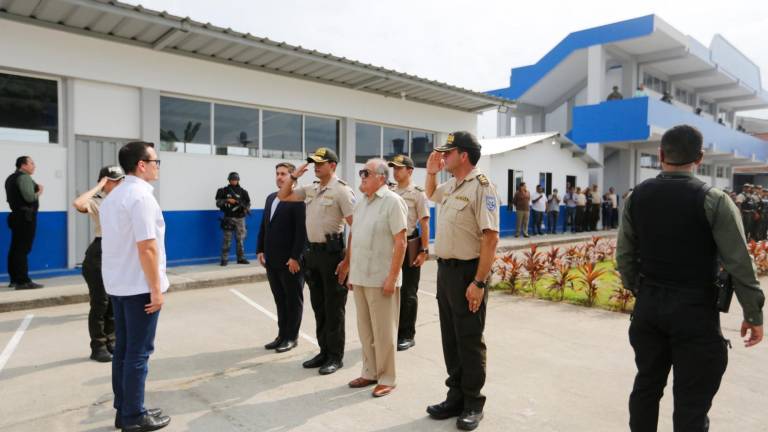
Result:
[138,26]
[497,146]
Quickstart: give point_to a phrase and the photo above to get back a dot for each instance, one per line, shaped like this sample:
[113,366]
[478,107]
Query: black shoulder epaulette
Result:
[316,182]
[420,188]
[483,179]
[343,182]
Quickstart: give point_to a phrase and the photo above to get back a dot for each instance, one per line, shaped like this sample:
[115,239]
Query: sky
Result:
[468,44]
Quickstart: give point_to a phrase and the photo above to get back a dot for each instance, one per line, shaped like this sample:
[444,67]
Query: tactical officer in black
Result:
[748,207]
[234,201]
[23,196]
[674,229]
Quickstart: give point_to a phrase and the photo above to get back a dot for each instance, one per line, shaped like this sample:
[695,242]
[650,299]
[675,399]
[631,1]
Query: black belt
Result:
[453,262]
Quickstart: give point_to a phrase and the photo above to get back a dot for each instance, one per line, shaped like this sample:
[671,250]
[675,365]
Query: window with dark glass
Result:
[185,125]
[281,135]
[422,144]
[29,109]
[321,132]
[395,142]
[367,142]
[236,130]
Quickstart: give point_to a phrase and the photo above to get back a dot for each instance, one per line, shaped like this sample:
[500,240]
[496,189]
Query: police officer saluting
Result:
[330,202]
[418,214]
[234,201]
[674,229]
[467,234]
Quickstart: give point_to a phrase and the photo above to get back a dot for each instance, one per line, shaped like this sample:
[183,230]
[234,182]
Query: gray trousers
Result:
[239,234]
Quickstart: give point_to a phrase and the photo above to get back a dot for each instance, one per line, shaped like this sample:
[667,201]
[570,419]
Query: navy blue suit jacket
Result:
[283,236]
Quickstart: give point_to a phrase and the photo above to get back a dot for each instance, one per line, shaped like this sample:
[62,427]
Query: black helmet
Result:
[233,176]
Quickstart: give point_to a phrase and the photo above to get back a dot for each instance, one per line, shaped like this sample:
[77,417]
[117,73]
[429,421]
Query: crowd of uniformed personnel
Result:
[752,202]
[301,238]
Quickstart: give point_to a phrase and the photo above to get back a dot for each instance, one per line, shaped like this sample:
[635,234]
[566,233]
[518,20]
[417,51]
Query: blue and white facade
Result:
[567,89]
[81,77]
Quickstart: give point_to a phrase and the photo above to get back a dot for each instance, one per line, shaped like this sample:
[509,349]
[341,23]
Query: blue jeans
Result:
[134,342]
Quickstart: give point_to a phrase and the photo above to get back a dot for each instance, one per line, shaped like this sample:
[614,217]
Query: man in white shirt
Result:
[539,206]
[133,269]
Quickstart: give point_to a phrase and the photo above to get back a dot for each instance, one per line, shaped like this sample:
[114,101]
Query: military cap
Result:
[401,161]
[461,139]
[323,154]
[113,172]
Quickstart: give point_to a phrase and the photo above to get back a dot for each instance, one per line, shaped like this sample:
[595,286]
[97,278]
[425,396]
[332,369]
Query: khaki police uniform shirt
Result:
[92,205]
[327,206]
[466,209]
[418,207]
[377,220]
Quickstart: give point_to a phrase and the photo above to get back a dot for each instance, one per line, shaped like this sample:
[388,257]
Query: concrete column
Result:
[595,74]
[346,170]
[520,125]
[503,127]
[537,121]
[629,78]
[569,105]
[150,115]
[713,177]
[595,84]
[68,138]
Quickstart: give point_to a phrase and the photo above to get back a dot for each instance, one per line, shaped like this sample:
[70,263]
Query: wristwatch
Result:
[425,250]
[479,284]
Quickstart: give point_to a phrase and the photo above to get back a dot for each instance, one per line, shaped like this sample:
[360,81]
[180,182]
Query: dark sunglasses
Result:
[157,161]
[364,173]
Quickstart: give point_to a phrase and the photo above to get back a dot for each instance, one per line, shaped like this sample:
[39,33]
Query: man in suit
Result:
[282,236]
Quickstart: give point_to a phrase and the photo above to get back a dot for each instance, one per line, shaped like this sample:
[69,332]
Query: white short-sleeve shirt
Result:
[128,215]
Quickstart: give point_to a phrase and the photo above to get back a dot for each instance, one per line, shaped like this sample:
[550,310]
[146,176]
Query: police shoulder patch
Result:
[483,179]
[490,202]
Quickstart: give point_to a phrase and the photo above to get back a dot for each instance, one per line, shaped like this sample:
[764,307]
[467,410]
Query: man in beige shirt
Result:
[375,256]
[418,214]
[330,203]
[467,234]
[101,320]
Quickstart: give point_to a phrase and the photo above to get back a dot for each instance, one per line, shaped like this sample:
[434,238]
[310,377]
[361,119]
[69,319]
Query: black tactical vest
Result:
[13,195]
[674,238]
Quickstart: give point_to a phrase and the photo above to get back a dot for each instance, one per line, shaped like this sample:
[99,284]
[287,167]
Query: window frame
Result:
[59,103]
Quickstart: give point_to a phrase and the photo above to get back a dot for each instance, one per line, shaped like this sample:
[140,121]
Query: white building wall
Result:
[51,167]
[106,110]
[557,120]
[532,160]
[33,48]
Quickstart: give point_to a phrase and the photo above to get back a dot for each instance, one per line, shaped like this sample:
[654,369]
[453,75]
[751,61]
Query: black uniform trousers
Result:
[328,299]
[671,328]
[409,301]
[288,291]
[462,333]
[22,235]
[101,320]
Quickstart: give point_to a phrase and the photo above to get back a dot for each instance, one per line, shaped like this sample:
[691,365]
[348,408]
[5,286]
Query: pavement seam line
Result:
[248,300]
[15,340]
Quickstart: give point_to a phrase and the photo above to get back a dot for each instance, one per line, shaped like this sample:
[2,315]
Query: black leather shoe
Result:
[12,285]
[445,410]
[148,423]
[154,412]
[28,285]
[111,347]
[469,419]
[223,263]
[315,362]
[286,345]
[274,344]
[243,261]
[330,367]
[101,355]
[404,344]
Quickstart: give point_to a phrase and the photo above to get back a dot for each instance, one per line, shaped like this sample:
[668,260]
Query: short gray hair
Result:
[381,167]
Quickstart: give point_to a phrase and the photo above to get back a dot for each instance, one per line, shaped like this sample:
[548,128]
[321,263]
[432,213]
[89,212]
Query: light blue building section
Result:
[643,59]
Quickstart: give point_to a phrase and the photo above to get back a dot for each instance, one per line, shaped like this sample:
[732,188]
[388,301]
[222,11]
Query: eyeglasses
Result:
[157,161]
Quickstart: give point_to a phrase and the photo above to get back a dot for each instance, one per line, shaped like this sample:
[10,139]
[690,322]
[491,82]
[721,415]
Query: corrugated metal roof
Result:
[138,26]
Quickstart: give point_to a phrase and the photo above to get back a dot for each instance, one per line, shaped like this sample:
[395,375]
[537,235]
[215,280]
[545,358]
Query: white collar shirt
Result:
[128,215]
